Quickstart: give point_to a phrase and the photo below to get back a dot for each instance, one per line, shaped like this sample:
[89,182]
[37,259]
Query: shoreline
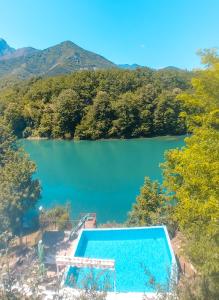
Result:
[38,138]
[35,138]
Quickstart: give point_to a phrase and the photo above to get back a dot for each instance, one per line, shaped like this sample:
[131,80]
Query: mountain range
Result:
[63,58]
[66,57]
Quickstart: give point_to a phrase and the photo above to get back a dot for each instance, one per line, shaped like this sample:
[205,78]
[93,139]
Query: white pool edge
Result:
[115,295]
[174,266]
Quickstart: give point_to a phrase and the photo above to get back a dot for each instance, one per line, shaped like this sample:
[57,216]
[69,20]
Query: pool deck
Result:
[66,247]
[90,223]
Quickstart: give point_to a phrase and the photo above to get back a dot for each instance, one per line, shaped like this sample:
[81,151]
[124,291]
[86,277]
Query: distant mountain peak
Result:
[2,41]
[170,68]
[5,48]
[9,53]
[129,67]
[68,42]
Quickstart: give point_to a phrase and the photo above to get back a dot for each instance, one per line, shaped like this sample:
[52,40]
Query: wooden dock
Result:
[91,220]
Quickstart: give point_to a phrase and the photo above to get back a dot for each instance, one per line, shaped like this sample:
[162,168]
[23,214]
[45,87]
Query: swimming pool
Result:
[143,258]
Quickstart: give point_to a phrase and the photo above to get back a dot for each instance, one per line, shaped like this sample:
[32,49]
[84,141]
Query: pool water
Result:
[143,259]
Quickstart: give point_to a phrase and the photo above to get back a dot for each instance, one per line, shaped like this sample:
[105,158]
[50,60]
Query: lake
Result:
[97,176]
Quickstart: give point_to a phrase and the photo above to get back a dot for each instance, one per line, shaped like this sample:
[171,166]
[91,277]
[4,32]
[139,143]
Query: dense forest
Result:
[97,104]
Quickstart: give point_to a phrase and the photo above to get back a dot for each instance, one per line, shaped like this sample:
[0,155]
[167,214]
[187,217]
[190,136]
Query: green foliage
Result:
[168,114]
[203,102]
[149,205]
[18,191]
[97,104]
[7,142]
[58,215]
[197,288]
[192,173]
[68,112]
[98,119]
[151,208]
[13,116]
[126,112]
[191,177]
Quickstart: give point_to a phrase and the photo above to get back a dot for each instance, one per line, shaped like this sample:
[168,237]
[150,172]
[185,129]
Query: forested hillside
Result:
[97,104]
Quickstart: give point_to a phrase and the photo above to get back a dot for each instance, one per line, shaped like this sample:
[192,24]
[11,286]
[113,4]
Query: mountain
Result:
[66,57]
[171,68]
[63,58]
[129,67]
[21,52]
[5,49]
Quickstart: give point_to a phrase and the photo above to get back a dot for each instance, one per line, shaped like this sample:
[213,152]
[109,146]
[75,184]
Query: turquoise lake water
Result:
[97,176]
[143,252]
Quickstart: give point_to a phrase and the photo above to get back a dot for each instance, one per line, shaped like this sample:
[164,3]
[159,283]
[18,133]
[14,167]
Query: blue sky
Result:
[154,33]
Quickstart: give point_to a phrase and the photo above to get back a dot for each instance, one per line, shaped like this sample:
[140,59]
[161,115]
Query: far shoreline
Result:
[38,138]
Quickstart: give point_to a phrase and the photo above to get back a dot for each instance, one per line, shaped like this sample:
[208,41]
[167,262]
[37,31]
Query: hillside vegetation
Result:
[97,104]
[191,177]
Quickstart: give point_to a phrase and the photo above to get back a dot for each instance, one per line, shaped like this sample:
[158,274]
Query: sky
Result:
[154,33]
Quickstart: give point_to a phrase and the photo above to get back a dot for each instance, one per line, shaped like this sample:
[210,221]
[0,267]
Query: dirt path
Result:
[186,266]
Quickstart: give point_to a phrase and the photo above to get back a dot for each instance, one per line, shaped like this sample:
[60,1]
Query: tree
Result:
[127,114]
[46,123]
[146,97]
[7,142]
[18,190]
[167,119]
[202,103]
[14,117]
[69,109]
[149,205]
[191,175]
[57,215]
[98,119]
